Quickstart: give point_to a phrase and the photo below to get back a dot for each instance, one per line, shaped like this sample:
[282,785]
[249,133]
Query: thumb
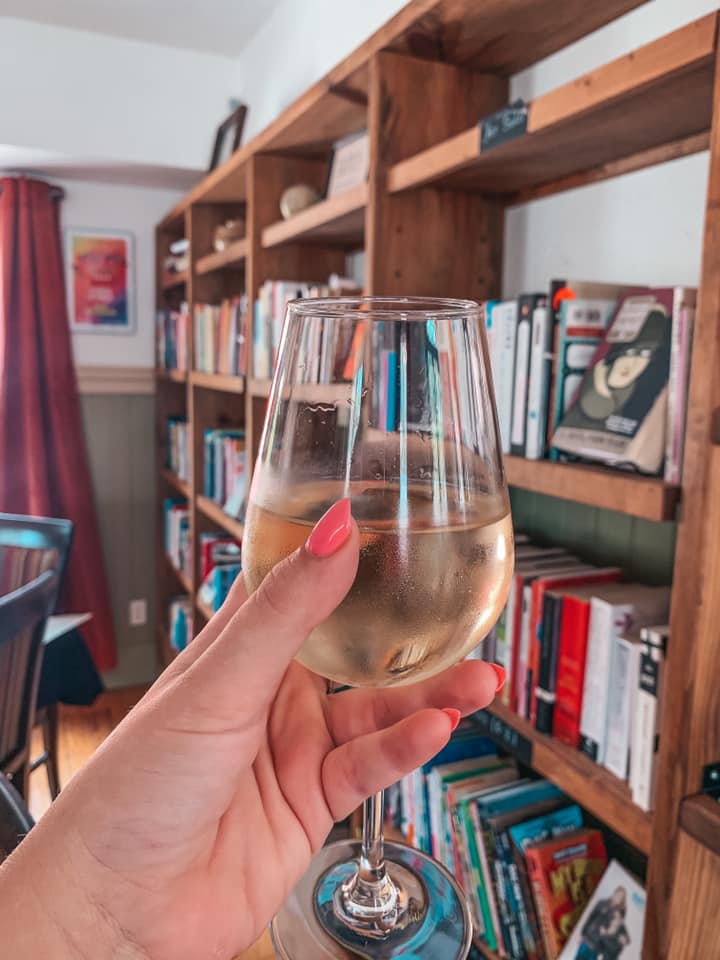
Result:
[239,673]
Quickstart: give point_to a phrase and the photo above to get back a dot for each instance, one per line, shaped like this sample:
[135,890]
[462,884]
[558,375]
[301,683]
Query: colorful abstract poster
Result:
[100,281]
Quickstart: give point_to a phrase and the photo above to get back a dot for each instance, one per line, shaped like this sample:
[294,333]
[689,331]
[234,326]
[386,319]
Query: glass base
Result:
[431,916]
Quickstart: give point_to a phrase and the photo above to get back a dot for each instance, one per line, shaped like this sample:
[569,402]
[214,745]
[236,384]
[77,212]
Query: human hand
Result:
[189,827]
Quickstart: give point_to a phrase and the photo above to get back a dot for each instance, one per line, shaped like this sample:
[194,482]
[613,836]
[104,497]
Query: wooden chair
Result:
[28,546]
[15,819]
[23,614]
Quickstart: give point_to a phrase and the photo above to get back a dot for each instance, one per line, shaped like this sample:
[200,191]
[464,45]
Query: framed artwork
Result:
[349,165]
[100,273]
[228,136]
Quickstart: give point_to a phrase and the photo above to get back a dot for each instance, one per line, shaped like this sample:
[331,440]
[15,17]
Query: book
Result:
[572,655]
[615,609]
[539,382]
[504,320]
[619,414]
[219,333]
[683,322]
[527,304]
[551,581]
[171,338]
[178,449]
[611,925]
[531,831]
[622,695]
[179,622]
[646,722]
[546,682]
[564,873]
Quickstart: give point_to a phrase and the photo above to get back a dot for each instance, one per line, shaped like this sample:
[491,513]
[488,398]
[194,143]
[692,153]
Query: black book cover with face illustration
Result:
[619,413]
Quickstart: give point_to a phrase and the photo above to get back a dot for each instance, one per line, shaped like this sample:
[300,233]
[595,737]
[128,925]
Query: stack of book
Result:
[180,622]
[595,372]
[219,566]
[225,479]
[527,863]
[584,655]
[171,338]
[177,534]
[268,320]
[178,449]
[220,337]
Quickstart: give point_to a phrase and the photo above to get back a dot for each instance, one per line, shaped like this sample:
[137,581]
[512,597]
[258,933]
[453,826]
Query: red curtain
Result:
[43,461]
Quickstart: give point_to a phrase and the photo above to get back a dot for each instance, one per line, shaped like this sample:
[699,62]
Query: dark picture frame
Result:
[228,136]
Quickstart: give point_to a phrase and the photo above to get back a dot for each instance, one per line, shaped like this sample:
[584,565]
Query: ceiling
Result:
[213,26]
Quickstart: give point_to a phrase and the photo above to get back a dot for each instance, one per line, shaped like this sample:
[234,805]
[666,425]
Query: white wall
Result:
[85,95]
[298,44]
[134,209]
[645,227]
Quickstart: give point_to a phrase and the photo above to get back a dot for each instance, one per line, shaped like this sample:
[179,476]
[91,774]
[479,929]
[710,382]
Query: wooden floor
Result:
[82,730]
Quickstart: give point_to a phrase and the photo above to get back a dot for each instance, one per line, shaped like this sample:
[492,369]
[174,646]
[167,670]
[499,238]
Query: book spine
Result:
[506,340]
[485,889]
[520,387]
[593,722]
[545,693]
[535,874]
[524,639]
[647,728]
[468,834]
[674,379]
[539,383]
[532,940]
[623,678]
[571,671]
[509,907]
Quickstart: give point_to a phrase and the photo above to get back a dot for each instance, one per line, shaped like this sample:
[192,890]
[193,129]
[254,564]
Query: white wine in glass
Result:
[388,403]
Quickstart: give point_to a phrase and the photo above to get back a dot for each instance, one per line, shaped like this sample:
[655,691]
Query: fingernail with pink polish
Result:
[454,716]
[332,530]
[501,676]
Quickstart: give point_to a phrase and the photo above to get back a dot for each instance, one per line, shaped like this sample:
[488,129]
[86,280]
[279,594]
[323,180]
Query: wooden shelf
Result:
[176,376]
[589,784]
[226,382]
[484,949]
[203,609]
[166,651]
[233,256]
[182,578]
[339,221]
[627,493]
[173,480]
[260,388]
[213,512]
[656,99]
[172,280]
[700,817]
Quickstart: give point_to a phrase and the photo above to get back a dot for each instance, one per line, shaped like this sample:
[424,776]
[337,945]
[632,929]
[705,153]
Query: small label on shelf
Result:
[504,125]
[505,736]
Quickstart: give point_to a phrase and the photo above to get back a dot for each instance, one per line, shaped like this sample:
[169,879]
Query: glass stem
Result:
[372,858]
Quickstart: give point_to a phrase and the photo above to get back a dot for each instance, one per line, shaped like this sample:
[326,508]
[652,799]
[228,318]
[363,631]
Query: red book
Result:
[539,586]
[571,665]
[564,873]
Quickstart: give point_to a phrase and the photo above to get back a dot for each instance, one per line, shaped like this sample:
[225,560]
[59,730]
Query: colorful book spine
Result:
[684,302]
[539,382]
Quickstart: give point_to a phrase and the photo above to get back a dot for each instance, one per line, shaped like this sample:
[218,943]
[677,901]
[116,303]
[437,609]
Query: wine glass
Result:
[388,402]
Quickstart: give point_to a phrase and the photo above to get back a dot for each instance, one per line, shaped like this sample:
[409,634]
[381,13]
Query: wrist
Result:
[49,907]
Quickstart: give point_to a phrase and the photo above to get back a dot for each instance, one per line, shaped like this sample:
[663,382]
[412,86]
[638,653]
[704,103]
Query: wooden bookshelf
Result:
[226,382]
[213,512]
[233,256]
[166,651]
[340,220]
[431,219]
[203,609]
[174,481]
[175,376]
[607,489]
[659,95]
[588,783]
[173,280]
[179,576]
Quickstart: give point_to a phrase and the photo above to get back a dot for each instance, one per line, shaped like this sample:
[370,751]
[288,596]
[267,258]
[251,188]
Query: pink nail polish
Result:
[332,530]
[501,676]
[454,716]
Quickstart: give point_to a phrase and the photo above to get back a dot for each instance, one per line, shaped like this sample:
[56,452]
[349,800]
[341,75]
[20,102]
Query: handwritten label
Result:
[503,126]
[505,736]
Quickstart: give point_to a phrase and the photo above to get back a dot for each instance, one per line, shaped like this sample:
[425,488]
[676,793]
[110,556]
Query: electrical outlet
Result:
[138,613]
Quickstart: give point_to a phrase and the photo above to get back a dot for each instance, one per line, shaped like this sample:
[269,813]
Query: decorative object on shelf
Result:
[504,125]
[350,164]
[100,270]
[178,258]
[227,233]
[228,136]
[296,198]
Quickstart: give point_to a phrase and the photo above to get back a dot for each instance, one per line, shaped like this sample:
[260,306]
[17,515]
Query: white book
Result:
[615,610]
[646,727]
[502,360]
[520,386]
[622,692]
[539,383]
